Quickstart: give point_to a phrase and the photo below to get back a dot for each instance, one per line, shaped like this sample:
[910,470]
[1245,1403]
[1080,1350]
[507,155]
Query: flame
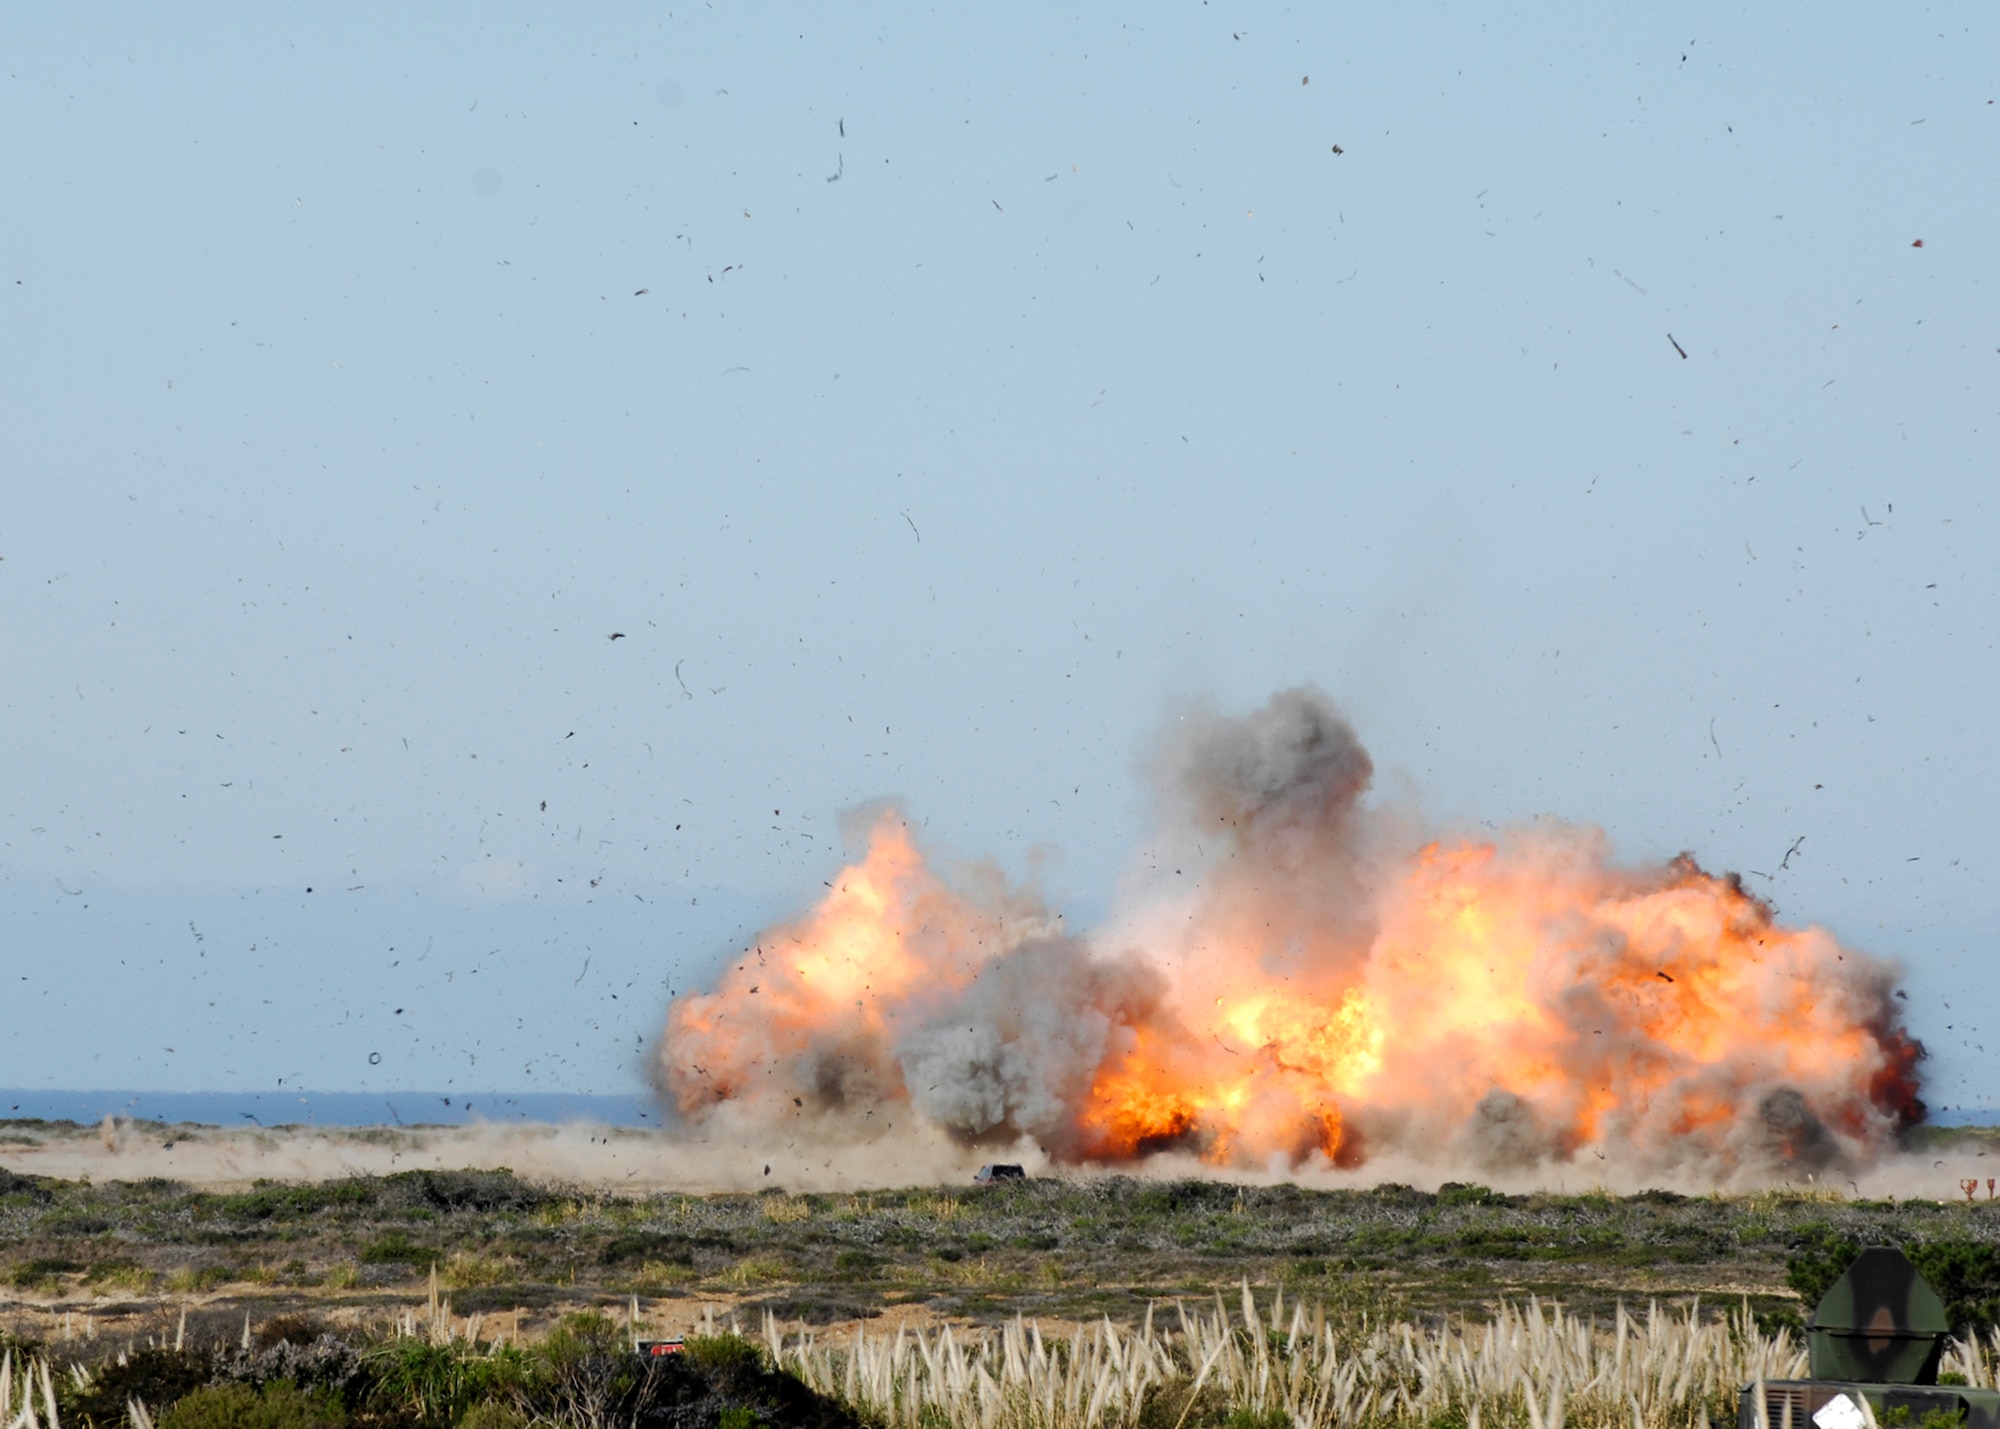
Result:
[1505,1002]
[1290,1064]
[828,989]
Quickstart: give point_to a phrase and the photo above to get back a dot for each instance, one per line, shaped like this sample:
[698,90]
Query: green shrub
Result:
[269,1200]
[494,1414]
[1783,1317]
[1460,1193]
[28,1188]
[1901,1416]
[396,1248]
[282,1405]
[1966,1276]
[155,1377]
[42,1268]
[584,1332]
[482,1191]
[1174,1404]
[296,1327]
[120,1274]
[1820,1255]
[720,1354]
[1253,1419]
[856,1264]
[439,1385]
[584,1374]
[21,1347]
[645,1245]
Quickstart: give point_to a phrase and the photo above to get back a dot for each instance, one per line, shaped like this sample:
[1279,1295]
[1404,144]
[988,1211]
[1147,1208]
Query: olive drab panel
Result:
[1881,1323]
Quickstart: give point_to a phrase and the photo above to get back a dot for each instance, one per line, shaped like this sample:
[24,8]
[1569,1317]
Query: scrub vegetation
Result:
[481,1300]
[1259,1363]
[1055,1248]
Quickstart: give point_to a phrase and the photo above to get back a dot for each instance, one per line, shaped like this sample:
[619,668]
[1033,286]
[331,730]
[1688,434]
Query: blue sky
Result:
[936,402]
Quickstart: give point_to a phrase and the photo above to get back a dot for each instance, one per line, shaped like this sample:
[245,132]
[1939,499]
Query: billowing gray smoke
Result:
[1272,800]
[1308,981]
[1015,1054]
[1505,1134]
[1291,771]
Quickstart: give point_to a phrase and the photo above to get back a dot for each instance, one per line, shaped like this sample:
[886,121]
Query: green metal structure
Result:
[1873,1346]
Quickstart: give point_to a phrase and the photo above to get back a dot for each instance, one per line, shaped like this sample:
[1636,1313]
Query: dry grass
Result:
[756,1270]
[939,1207]
[20,1386]
[658,1273]
[1535,1366]
[1977,1358]
[1274,1363]
[466,1270]
[196,1281]
[786,1210]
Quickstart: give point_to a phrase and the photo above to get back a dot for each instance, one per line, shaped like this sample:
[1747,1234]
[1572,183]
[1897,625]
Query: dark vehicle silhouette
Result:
[997,1171]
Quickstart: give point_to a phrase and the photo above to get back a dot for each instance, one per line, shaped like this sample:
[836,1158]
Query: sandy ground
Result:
[720,1158]
[610,1158]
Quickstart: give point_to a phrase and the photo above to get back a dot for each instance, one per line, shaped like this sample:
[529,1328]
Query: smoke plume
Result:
[1318,989]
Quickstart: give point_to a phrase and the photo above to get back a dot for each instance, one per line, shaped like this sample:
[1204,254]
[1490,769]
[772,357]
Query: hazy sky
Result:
[937,402]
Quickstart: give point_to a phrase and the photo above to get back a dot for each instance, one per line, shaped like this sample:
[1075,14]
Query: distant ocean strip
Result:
[289,1108]
[284,1108]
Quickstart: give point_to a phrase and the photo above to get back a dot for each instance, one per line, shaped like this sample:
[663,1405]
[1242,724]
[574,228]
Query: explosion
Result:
[1328,990]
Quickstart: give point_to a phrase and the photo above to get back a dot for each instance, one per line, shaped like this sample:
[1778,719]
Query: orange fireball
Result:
[1319,998]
